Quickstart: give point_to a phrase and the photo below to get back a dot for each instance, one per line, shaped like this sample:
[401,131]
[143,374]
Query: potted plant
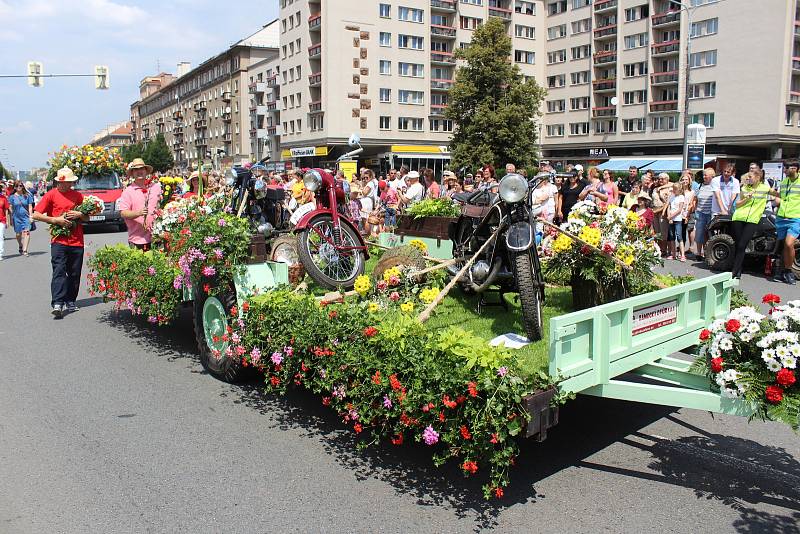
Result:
[428,218]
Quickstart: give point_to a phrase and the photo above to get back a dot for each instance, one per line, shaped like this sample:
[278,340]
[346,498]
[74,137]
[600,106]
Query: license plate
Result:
[301,211]
[97,218]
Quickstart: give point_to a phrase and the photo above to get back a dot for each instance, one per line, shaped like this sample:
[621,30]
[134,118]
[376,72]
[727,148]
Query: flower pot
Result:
[588,293]
[432,227]
[543,416]
[258,249]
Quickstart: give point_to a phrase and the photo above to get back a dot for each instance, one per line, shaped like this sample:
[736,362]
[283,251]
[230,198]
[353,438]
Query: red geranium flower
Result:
[498,492]
[376,378]
[774,394]
[395,383]
[716,365]
[274,381]
[370,331]
[732,326]
[332,314]
[357,427]
[494,439]
[469,466]
[448,403]
[234,311]
[771,298]
[441,417]
[705,333]
[465,433]
[326,401]
[472,387]
[397,439]
[246,306]
[785,377]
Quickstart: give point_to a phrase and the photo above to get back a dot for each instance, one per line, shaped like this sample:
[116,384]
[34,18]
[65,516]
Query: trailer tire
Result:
[211,320]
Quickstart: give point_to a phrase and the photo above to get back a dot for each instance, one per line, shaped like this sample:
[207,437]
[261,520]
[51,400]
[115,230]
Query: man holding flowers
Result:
[138,203]
[58,208]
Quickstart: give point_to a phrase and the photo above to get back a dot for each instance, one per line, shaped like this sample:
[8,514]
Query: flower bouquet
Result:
[754,357]
[87,159]
[595,278]
[91,205]
[169,187]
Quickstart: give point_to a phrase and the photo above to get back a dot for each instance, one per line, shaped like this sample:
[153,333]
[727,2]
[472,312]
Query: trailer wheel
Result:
[211,321]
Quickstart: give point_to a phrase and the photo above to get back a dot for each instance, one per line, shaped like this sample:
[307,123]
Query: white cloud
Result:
[21,126]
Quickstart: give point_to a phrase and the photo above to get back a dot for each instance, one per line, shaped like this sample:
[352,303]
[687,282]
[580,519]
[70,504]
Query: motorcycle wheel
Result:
[529,296]
[211,320]
[285,249]
[323,263]
[796,266]
[720,251]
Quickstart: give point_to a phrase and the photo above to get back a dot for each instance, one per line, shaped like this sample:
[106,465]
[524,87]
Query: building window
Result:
[409,14]
[579,128]
[559,80]
[385,39]
[556,32]
[665,123]
[556,106]
[638,40]
[577,4]
[384,122]
[706,119]
[556,56]
[605,127]
[707,58]
[414,70]
[410,97]
[470,23]
[409,124]
[385,67]
[702,90]
[581,26]
[410,41]
[524,8]
[705,27]
[634,125]
[385,95]
[634,97]
[472,2]
[579,103]
[581,52]
[555,130]
[579,78]
[524,56]
[384,11]
[524,32]
[637,13]
[635,69]
[554,8]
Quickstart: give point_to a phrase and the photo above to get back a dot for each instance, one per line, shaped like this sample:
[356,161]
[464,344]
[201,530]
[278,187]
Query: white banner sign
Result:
[773,171]
[652,317]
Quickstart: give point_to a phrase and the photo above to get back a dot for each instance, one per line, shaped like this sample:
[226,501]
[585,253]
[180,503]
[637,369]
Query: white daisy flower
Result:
[720,380]
[781,351]
[730,375]
[774,366]
[746,337]
[725,343]
[789,361]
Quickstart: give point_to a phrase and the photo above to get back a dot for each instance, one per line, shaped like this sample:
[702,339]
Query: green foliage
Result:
[158,155]
[739,299]
[493,106]
[391,378]
[434,207]
[5,173]
[131,152]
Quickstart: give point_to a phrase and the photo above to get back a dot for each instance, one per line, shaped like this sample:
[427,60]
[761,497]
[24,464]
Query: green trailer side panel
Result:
[260,277]
[437,248]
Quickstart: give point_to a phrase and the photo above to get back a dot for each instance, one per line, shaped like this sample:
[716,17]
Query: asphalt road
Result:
[110,425]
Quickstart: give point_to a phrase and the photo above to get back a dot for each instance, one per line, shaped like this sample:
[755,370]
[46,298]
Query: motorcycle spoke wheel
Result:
[337,266]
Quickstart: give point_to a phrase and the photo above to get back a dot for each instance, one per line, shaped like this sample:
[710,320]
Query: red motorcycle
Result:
[331,247]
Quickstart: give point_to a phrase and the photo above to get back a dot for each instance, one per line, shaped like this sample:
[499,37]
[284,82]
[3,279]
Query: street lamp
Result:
[683,7]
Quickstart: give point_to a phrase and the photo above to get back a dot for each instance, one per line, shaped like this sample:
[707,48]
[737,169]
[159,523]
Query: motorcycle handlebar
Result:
[350,154]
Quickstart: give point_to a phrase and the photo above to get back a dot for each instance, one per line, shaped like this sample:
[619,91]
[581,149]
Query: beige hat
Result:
[644,195]
[413,174]
[138,163]
[447,175]
[66,175]
[195,174]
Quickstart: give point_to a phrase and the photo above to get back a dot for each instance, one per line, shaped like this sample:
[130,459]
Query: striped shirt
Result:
[705,196]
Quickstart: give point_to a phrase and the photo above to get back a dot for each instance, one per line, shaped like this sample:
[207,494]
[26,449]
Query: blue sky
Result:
[71,36]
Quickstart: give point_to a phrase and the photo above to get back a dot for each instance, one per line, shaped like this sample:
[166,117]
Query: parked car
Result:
[108,188]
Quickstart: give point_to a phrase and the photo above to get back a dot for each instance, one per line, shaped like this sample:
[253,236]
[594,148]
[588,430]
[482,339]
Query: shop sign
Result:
[598,153]
[653,317]
[695,154]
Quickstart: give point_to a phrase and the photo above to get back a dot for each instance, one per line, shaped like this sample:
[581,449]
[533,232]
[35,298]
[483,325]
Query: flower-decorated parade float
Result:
[401,355]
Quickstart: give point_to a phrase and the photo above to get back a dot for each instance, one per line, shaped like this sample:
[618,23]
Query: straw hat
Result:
[66,175]
[138,163]
[644,195]
[195,174]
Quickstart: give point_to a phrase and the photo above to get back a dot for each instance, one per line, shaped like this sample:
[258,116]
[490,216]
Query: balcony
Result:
[272,106]
[315,80]
[604,111]
[443,58]
[602,6]
[177,130]
[441,84]
[315,51]
[315,107]
[446,6]
[201,141]
[670,18]
[226,117]
[177,115]
[605,84]
[227,137]
[605,57]
[256,87]
[272,81]
[664,78]
[200,124]
[160,120]
[446,32]
[200,106]
[606,32]
[259,109]
[794,98]
[226,96]
[438,109]
[500,13]
[663,106]
[272,130]
[796,65]
[666,48]
[259,133]
[315,23]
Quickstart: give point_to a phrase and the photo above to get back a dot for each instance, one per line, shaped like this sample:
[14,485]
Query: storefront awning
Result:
[671,164]
[623,164]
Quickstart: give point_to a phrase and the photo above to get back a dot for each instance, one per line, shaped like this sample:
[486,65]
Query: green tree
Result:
[131,152]
[5,173]
[158,155]
[493,106]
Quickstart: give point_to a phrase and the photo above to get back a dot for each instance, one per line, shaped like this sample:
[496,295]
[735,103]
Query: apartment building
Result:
[204,112]
[264,94]
[383,70]
[626,100]
[115,136]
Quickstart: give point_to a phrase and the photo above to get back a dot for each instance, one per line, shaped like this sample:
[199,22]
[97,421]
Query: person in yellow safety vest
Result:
[750,205]
[787,221]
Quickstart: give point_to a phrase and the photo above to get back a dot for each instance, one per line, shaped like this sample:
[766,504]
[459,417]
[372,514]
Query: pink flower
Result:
[218,253]
[503,371]
[288,351]
[240,350]
[430,436]
[152,319]
[255,355]
[210,240]
[222,222]
[387,402]
[394,296]
[209,271]
[277,358]
[382,285]
[151,270]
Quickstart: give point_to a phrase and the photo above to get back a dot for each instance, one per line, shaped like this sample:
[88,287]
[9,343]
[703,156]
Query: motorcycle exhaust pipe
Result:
[483,286]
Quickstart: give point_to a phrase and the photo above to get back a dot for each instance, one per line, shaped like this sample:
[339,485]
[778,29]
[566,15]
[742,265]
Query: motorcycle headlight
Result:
[312,180]
[513,188]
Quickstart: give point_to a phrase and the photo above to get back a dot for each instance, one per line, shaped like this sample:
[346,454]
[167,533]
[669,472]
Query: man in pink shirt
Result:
[138,203]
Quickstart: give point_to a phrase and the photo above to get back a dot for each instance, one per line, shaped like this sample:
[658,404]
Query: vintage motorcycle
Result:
[331,248]
[511,260]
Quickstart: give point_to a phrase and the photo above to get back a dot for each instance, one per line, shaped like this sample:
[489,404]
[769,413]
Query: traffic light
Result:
[101,77]
[35,70]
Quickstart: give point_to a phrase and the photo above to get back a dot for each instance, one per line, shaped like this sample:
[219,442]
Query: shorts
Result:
[661,227]
[701,222]
[787,226]
[675,231]
[390,217]
[690,222]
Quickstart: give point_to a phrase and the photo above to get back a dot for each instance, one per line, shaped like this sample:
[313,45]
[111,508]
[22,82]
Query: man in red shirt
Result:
[57,207]
[4,210]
